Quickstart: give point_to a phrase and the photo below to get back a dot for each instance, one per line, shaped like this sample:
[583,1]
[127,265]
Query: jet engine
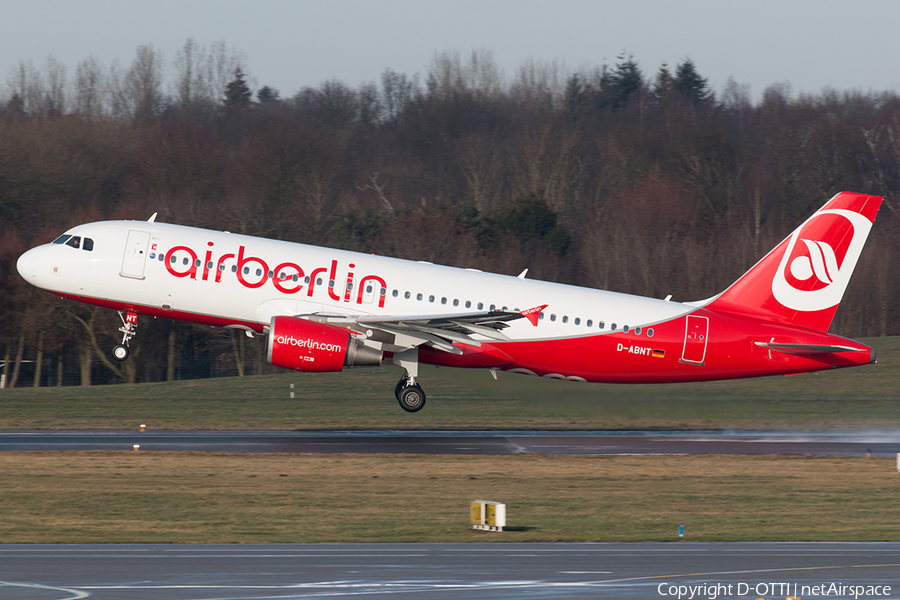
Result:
[304,345]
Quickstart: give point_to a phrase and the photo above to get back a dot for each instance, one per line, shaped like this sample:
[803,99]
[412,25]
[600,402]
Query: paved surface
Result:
[465,571]
[880,443]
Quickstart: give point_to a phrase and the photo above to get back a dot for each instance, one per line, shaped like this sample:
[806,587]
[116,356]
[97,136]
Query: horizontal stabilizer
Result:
[806,348]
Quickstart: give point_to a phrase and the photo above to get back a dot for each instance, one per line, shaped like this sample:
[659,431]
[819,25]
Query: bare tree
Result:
[480,75]
[143,83]
[217,71]
[27,84]
[189,86]
[90,83]
[55,92]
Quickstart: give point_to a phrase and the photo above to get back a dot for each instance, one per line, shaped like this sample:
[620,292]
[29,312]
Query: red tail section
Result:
[803,279]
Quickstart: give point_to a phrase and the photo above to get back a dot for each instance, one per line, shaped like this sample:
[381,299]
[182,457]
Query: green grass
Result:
[858,398]
[82,497]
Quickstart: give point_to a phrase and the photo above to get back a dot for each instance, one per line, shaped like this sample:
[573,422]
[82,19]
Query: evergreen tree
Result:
[664,84]
[617,85]
[574,98]
[689,83]
[267,94]
[237,93]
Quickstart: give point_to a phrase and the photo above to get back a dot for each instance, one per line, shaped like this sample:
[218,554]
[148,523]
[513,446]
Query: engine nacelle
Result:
[304,345]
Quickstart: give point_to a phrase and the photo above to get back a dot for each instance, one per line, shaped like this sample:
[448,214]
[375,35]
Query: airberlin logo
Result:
[308,343]
[287,277]
[814,273]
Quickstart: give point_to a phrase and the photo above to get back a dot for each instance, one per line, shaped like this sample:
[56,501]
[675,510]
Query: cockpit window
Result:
[74,241]
[62,239]
[88,244]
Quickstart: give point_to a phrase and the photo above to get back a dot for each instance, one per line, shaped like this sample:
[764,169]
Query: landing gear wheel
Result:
[120,352]
[399,386]
[411,398]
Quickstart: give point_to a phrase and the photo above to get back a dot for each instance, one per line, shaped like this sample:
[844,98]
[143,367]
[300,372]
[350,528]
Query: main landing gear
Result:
[128,329]
[409,394]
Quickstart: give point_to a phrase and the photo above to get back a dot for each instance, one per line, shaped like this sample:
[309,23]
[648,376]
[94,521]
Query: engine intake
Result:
[303,345]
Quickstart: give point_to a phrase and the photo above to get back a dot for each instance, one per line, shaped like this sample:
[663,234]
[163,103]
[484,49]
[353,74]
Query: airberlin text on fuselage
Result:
[282,276]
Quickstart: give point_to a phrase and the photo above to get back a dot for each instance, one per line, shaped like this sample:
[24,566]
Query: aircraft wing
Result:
[437,331]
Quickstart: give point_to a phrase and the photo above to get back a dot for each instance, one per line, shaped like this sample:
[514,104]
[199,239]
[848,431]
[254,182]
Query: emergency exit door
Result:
[696,336]
[136,249]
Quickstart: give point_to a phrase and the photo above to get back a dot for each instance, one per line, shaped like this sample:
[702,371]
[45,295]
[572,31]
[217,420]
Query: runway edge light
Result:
[488,515]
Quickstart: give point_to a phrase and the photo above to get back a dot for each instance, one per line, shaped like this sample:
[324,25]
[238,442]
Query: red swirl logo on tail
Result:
[813,275]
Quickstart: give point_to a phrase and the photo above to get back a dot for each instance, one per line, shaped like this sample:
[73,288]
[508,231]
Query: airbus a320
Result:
[323,309]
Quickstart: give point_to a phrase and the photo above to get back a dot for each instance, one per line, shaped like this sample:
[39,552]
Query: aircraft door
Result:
[371,291]
[696,336]
[136,249]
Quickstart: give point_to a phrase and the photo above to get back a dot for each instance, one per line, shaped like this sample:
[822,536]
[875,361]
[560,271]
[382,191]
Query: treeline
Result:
[606,177]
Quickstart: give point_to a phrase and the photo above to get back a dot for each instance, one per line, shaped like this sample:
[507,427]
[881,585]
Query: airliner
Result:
[323,309]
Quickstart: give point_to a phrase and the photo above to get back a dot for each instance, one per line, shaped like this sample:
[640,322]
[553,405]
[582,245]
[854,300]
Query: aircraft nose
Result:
[28,265]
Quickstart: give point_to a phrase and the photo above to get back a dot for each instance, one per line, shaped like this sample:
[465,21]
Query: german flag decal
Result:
[658,354]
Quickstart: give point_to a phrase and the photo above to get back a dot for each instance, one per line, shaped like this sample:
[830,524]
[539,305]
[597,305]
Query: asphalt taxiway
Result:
[876,443]
[466,571]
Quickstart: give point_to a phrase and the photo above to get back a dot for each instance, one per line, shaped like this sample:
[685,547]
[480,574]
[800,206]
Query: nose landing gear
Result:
[129,329]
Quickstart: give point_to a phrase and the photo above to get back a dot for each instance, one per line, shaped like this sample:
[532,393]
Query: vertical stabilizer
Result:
[804,278]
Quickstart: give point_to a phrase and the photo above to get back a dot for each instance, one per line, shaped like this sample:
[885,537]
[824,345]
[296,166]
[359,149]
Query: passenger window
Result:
[578,320]
[443,301]
[541,315]
[431,298]
[368,288]
[185,261]
[258,272]
[406,295]
[637,331]
[553,317]
[161,257]
[468,304]
[493,307]
[455,302]
[234,268]
[419,297]
[650,332]
[88,244]
[480,306]
[395,293]
[613,327]
[565,319]
[74,241]
[209,264]
[589,323]
[625,329]
[601,324]
[61,239]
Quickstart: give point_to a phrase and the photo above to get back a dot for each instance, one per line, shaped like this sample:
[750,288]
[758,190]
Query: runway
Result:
[878,443]
[466,571]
